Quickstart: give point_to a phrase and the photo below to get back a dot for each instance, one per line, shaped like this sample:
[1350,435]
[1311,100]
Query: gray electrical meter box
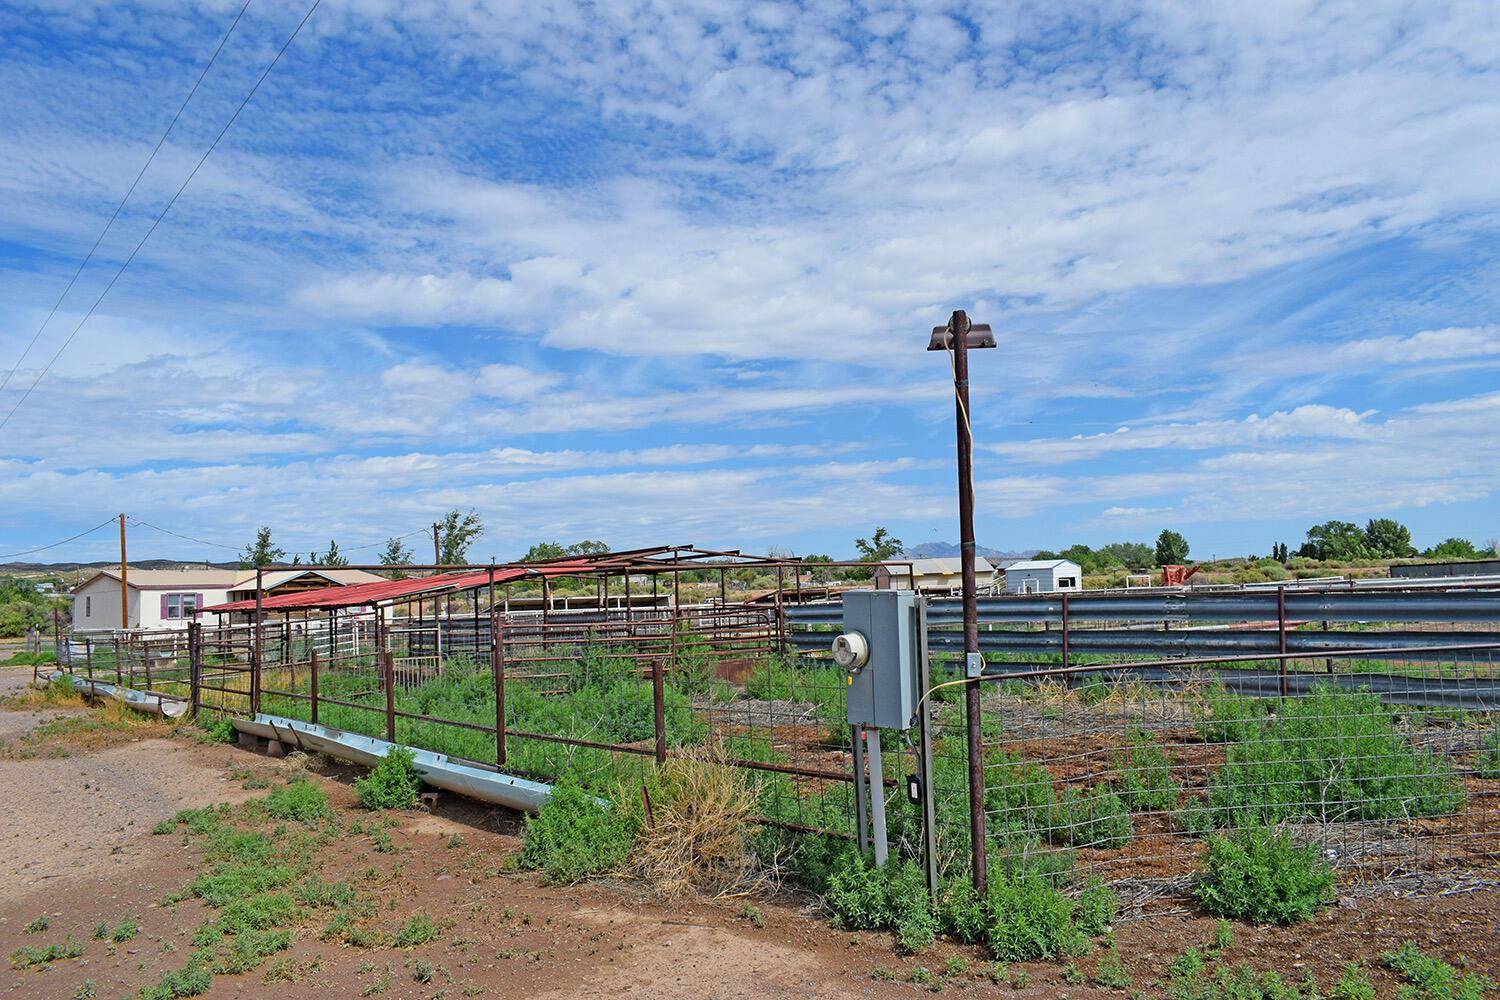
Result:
[880,652]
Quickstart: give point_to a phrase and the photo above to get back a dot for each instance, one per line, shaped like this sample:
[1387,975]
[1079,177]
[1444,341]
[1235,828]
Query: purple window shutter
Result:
[164,606]
[197,605]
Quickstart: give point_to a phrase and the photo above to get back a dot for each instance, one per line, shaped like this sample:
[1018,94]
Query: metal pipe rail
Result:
[1458,606]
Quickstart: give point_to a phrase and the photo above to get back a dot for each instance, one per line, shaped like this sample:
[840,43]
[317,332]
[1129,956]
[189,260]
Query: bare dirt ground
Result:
[78,848]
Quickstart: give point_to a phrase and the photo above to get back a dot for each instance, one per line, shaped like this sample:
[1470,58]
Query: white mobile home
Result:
[1043,576]
[155,598]
[170,598]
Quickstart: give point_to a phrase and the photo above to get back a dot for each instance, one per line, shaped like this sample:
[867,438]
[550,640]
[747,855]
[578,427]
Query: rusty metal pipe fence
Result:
[1118,733]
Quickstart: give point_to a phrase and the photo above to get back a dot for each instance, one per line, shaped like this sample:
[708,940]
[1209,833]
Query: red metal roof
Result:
[364,594]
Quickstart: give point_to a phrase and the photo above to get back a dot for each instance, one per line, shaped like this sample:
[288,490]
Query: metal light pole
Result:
[958,336]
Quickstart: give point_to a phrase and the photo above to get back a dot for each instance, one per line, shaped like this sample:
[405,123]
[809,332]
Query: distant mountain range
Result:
[23,567]
[949,550]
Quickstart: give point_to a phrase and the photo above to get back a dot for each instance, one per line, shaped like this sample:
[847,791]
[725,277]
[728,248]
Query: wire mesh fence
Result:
[1375,740]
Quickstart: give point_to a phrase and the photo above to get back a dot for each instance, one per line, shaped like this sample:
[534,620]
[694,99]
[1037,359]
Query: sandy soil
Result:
[77,846]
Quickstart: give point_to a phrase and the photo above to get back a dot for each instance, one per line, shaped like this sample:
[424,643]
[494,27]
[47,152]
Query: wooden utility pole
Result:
[437,555]
[124,596]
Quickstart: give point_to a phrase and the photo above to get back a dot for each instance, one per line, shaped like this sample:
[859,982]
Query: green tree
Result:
[261,552]
[819,573]
[1131,555]
[333,557]
[396,554]
[1453,548]
[544,550]
[1341,540]
[879,547]
[1171,548]
[1388,539]
[588,547]
[456,532]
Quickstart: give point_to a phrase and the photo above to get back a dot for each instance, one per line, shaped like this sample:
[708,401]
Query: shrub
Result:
[701,824]
[221,731]
[575,835]
[391,784]
[1263,877]
[298,800]
[1029,919]
[1330,755]
[871,897]
[1097,906]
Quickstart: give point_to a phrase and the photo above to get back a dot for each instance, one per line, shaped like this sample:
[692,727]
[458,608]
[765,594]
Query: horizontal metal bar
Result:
[1424,647]
[1360,606]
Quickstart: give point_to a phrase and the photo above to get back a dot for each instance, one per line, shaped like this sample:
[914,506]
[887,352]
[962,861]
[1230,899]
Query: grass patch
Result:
[44,955]
[299,800]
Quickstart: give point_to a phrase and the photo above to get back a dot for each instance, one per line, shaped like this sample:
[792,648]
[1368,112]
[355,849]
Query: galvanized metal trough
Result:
[144,701]
[435,769]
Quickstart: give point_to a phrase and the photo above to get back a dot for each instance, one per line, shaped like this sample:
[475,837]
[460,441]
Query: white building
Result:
[1043,576]
[935,576]
[170,598]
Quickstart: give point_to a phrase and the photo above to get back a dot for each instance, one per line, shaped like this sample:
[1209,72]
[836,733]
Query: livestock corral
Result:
[1121,739]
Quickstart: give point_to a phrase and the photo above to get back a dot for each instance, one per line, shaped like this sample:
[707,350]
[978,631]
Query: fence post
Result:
[497,667]
[256,650]
[314,684]
[389,662]
[1067,675]
[195,641]
[659,704]
[1281,634]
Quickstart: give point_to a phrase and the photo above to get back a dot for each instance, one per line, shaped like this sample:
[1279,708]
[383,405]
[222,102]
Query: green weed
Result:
[38,925]
[1432,978]
[418,930]
[45,955]
[126,930]
[1262,877]
[391,784]
[298,800]
[575,835]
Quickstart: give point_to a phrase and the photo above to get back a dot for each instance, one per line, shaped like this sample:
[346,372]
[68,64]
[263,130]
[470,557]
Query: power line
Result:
[371,545]
[43,548]
[163,214]
[135,521]
[115,214]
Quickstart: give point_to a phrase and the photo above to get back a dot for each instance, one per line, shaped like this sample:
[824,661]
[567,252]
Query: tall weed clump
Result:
[575,835]
[698,837]
[1330,756]
[1263,877]
[391,784]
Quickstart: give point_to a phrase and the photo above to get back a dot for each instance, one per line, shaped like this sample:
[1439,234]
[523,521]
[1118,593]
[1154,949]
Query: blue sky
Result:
[663,272]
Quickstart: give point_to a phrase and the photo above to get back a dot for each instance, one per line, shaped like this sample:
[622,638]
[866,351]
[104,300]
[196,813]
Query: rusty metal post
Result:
[314,684]
[389,662]
[1281,634]
[959,326]
[195,666]
[497,668]
[780,616]
[257,652]
[659,707]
